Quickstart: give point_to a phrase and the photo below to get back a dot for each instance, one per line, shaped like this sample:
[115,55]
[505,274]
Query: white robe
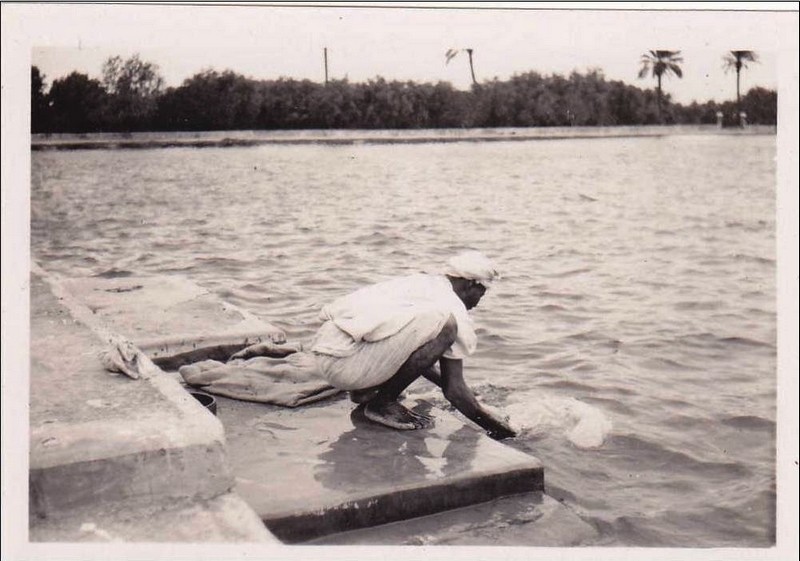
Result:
[369,334]
[376,312]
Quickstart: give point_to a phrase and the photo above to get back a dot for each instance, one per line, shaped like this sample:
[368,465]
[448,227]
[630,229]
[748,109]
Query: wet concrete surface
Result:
[68,383]
[169,316]
[322,473]
[113,452]
[323,469]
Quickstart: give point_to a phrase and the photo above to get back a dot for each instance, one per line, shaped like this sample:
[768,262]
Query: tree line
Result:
[131,96]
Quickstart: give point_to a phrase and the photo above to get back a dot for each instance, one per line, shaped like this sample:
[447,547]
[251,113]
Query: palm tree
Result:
[659,63]
[471,68]
[451,53]
[737,60]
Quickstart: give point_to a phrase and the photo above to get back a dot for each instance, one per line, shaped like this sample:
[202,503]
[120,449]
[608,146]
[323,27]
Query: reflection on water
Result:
[638,280]
[429,457]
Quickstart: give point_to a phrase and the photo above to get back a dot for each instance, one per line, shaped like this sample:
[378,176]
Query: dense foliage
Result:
[131,97]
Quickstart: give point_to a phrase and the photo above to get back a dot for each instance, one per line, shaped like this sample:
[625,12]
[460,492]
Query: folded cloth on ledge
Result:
[289,381]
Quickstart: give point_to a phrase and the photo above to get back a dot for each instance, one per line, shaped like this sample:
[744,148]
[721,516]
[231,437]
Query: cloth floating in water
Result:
[289,381]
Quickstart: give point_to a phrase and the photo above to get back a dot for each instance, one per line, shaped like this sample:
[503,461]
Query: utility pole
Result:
[325,54]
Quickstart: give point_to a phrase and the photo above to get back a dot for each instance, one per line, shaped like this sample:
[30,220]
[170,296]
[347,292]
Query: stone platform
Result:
[109,454]
[171,319]
[534,520]
[323,469]
[317,470]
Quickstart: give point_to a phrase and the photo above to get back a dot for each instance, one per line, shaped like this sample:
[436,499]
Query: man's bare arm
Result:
[455,389]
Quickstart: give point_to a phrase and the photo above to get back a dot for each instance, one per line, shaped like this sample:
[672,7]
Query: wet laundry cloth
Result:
[289,381]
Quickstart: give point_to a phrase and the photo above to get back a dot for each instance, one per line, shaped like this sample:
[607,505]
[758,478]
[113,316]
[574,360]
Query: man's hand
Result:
[502,431]
[461,397]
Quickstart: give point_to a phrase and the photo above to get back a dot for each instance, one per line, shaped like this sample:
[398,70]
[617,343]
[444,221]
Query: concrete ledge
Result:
[320,469]
[103,442]
[166,473]
[102,437]
[324,469]
[171,319]
[534,519]
[225,518]
[402,504]
[221,139]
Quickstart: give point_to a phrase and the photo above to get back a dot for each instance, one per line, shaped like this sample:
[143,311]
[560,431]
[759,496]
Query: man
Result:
[376,341]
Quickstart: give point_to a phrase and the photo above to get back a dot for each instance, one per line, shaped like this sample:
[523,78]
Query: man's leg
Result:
[384,408]
[363,396]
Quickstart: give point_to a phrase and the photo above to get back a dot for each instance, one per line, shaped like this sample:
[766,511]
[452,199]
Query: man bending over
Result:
[376,341]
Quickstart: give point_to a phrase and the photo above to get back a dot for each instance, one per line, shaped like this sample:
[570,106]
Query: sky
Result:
[267,42]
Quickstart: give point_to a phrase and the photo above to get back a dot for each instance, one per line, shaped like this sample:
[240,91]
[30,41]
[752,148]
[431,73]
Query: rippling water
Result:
[633,336]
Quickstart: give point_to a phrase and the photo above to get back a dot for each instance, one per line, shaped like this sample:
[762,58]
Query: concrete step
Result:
[99,440]
[534,519]
[323,469]
[223,519]
[173,320]
[318,469]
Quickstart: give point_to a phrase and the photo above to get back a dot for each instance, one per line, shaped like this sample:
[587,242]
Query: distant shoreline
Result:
[111,141]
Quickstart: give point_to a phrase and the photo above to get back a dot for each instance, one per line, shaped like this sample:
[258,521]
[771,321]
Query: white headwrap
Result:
[472,265]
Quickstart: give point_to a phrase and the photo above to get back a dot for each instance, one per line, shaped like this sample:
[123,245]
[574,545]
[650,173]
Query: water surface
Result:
[633,333]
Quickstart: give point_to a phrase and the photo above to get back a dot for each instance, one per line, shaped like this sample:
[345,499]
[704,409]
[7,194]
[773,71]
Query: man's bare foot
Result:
[393,415]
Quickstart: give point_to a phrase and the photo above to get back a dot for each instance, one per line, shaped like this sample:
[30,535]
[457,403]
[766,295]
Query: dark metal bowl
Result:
[206,400]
